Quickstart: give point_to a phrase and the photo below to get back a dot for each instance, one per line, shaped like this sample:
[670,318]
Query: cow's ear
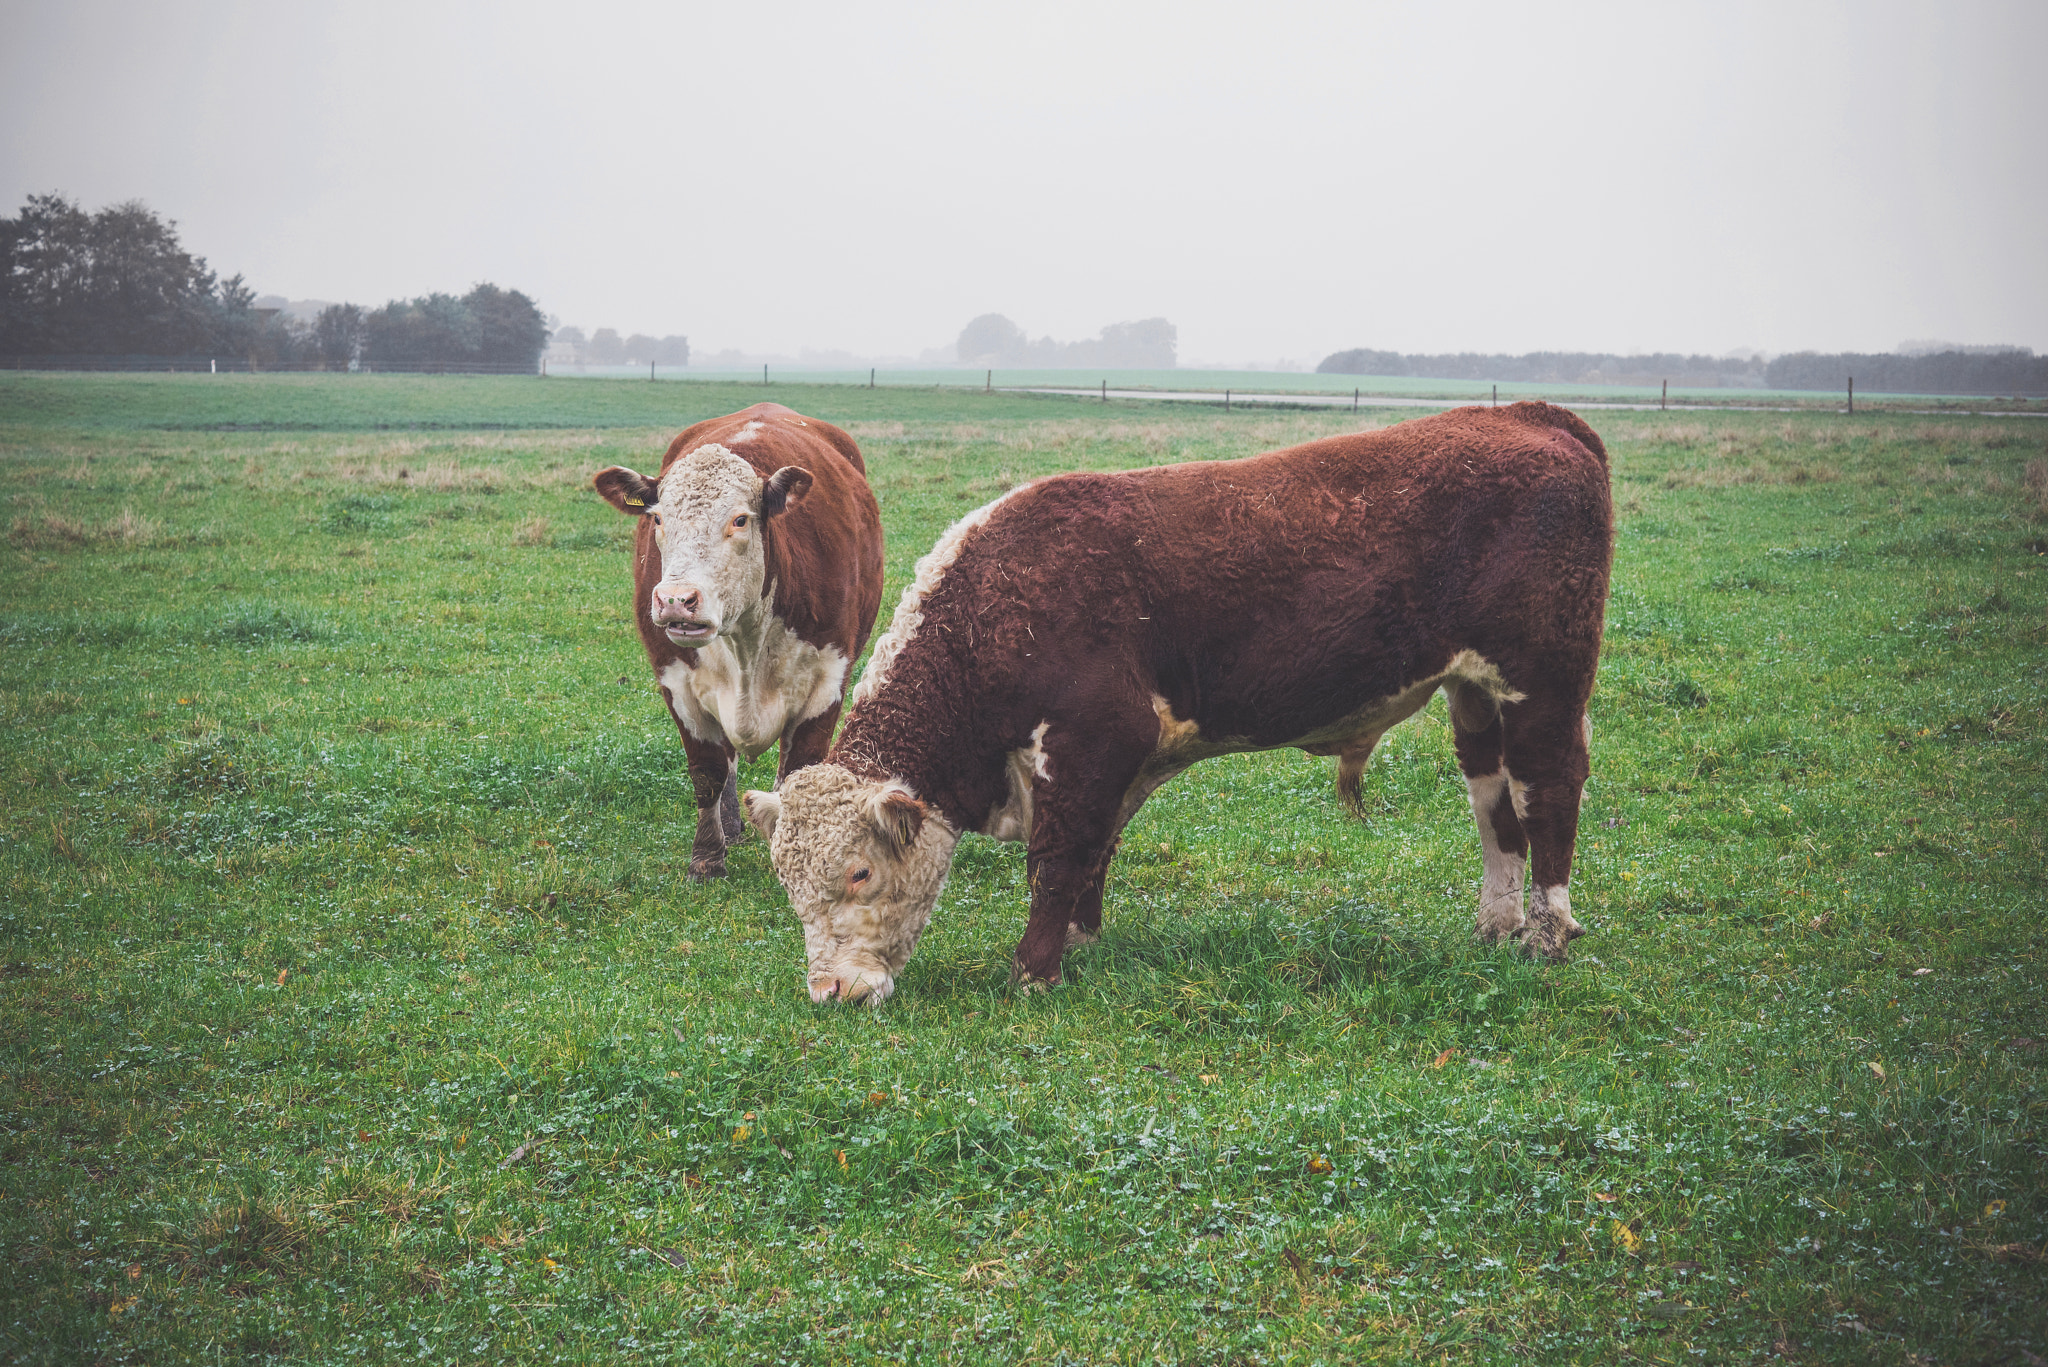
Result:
[783,490]
[898,817]
[764,810]
[629,491]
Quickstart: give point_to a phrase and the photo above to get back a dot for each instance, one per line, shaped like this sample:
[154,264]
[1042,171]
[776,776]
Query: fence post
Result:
[988,382]
[1354,401]
[650,372]
[1226,401]
[1664,398]
[1496,396]
[1852,393]
[213,367]
[764,372]
[871,377]
[1105,391]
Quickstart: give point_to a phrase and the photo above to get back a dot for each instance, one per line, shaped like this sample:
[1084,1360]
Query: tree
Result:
[672,350]
[116,282]
[993,339]
[338,335]
[510,328]
[488,328]
[1147,344]
[431,332]
[606,348]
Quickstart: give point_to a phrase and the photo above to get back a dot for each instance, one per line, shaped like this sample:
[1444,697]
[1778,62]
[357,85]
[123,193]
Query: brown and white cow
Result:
[1070,647]
[757,573]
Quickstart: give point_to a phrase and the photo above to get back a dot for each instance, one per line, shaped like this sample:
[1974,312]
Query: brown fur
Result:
[1152,617]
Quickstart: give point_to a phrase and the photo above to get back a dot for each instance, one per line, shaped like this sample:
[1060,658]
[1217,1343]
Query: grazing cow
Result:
[1070,647]
[757,572]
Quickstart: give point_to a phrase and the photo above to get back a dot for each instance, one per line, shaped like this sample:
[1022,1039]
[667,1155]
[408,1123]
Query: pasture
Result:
[353,1006]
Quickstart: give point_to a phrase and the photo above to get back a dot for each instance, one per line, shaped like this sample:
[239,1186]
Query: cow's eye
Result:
[739,521]
[858,876]
[657,519]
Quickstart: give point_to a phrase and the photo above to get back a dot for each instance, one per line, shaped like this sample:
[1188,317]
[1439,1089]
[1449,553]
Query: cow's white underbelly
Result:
[750,692]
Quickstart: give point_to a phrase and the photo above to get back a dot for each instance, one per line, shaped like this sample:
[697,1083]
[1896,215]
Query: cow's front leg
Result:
[1084,775]
[713,777]
[730,822]
[1066,908]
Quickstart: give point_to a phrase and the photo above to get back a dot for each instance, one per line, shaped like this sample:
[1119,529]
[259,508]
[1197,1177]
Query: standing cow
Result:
[1070,647]
[757,572]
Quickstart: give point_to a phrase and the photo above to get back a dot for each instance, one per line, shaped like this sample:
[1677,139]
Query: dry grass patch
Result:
[534,533]
[54,531]
[352,1192]
[2034,480]
[243,1237]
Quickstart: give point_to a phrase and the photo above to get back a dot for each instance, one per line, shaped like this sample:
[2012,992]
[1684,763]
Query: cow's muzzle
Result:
[678,611]
[852,985]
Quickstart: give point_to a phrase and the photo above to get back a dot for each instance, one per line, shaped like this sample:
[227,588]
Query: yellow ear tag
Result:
[635,503]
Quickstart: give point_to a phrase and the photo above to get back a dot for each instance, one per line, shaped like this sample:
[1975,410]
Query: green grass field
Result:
[353,1006]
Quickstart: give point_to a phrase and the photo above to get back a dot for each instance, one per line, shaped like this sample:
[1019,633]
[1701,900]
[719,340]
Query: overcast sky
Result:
[1280,180]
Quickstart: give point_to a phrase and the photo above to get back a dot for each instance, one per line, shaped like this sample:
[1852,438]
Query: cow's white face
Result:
[863,863]
[707,514]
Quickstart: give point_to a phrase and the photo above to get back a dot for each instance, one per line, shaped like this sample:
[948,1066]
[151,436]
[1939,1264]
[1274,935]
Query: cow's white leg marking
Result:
[1500,888]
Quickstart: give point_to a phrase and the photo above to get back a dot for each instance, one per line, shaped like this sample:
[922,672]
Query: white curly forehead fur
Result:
[826,823]
[705,481]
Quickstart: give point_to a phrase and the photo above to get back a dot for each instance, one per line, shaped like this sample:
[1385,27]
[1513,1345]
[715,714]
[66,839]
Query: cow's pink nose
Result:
[683,598]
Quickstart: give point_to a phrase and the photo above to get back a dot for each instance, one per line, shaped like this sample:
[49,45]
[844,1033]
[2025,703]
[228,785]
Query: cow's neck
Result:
[932,743]
[749,634]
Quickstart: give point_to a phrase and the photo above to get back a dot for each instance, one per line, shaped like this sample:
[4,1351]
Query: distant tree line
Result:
[1555,367]
[993,340]
[1960,370]
[77,287]
[606,347]
[1979,370]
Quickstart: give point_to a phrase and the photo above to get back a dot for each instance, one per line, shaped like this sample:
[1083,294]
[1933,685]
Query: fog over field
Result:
[1280,185]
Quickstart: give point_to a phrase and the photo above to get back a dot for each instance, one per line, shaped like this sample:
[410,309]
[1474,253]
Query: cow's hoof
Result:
[702,869]
[1025,984]
[1545,942]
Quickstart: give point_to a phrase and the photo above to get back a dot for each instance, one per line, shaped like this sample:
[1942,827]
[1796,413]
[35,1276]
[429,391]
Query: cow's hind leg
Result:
[713,781]
[1351,761]
[1476,728]
[1545,745]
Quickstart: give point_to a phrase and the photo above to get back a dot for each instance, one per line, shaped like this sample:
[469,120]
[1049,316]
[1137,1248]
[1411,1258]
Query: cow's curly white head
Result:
[863,862]
[707,512]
